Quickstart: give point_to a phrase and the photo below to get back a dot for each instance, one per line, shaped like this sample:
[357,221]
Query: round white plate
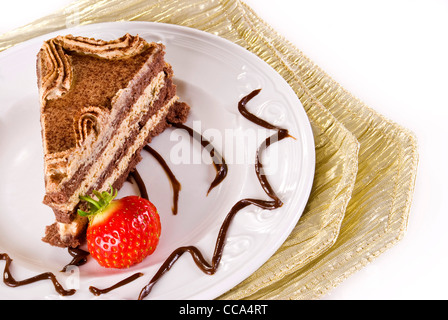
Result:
[212,75]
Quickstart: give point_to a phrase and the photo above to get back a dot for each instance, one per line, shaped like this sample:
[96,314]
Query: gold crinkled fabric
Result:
[365,164]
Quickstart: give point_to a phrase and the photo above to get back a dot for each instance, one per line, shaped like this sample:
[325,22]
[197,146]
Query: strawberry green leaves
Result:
[98,206]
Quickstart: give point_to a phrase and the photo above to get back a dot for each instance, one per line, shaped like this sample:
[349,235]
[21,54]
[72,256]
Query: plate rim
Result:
[309,177]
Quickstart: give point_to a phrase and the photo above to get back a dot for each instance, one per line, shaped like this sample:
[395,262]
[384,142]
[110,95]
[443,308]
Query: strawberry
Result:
[121,232]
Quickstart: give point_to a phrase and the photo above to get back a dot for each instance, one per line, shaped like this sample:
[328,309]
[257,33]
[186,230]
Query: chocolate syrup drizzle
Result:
[274,203]
[175,184]
[79,258]
[221,173]
[9,280]
[140,184]
[129,279]
[218,160]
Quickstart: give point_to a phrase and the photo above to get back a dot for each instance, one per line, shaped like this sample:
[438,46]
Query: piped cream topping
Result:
[54,66]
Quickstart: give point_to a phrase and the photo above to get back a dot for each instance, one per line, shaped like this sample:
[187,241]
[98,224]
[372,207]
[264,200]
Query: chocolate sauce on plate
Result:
[175,184]
[9,280]
[218,160]
[140,183]
[79,258]
[274,203]
[129,279]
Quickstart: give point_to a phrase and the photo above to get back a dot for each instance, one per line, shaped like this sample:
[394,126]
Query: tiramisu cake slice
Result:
[101,102]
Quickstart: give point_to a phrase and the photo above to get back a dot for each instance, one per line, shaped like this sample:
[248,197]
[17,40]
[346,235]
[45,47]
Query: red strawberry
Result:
[121,232]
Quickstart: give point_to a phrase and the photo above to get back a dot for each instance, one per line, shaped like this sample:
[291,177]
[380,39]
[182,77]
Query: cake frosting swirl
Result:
[54,66]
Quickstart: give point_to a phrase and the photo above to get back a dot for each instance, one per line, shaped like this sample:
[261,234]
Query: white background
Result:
[393,55]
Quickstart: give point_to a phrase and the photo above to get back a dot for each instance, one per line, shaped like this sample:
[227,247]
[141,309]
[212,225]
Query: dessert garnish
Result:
[121,232]
[221,173]
[274,203]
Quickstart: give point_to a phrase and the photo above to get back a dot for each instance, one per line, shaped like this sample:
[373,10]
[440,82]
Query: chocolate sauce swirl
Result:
[218,160]
[175,184]
[221,173]
[250,116]
[79,258]
[9,280]
[98,292]
[140,183]
[274,203]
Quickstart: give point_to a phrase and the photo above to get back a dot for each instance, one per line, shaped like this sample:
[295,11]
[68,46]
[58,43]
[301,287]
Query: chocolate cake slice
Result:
[101,103]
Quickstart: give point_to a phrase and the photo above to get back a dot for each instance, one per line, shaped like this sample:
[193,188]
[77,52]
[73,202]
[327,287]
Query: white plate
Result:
[212,75]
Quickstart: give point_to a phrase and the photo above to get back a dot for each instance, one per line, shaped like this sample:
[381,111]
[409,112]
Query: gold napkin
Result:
[365,164]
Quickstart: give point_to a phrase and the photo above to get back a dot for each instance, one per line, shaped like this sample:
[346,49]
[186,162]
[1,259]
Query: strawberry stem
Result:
[96,206]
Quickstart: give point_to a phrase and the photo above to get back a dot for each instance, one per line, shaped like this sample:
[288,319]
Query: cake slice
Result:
[101,103]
